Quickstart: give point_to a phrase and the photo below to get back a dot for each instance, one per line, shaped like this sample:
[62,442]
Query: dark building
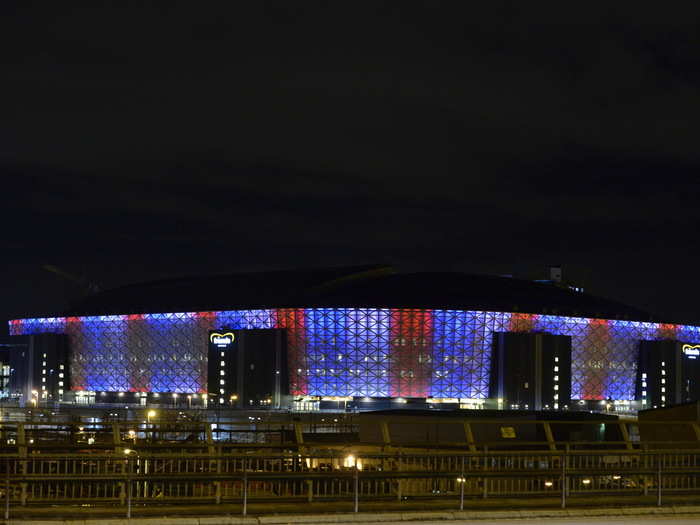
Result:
[6,354]
[669,373]
[531,371]
[248,368]
[37,369]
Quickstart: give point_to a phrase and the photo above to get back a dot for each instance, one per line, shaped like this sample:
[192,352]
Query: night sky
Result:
[141,142]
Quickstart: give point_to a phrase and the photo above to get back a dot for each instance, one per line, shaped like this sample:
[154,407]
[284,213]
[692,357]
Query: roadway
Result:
[381,520]
[634,520]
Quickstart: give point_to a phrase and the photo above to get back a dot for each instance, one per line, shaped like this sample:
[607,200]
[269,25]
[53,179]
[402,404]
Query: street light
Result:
[150,414]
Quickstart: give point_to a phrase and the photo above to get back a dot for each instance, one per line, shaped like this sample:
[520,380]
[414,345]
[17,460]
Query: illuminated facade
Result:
[349,352]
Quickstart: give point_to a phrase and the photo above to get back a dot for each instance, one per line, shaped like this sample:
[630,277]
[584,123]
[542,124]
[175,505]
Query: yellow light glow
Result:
[225,334]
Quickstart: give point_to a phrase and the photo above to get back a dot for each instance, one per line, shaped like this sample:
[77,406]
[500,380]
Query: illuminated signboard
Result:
[222,340]
[692,351]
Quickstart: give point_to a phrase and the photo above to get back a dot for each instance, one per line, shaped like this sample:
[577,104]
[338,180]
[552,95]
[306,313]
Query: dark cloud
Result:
[138,140]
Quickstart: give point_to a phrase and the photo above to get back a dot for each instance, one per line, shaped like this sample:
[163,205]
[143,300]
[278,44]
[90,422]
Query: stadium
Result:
[365,336]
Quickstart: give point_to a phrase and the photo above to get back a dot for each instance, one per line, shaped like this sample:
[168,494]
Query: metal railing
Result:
[133,477]
[127,463]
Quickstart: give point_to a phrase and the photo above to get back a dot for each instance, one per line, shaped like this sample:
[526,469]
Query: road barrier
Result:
[134,477]
[120,464]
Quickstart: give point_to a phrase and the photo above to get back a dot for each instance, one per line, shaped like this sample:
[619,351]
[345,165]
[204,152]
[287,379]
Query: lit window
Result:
[556,378]
[43,363]
[644,393]
[60,383]
[222,372]
[663,389]
[556,369]
[644,376]
[221,390]
[60,375]
[61,367]
[222,382]
[43,371]
[556,359]
[60,392]
[663,398]
[663,381]
[556,387]
[556,397]
[663,372]
[43,380]
[223,354]
[223,363]
[644,384]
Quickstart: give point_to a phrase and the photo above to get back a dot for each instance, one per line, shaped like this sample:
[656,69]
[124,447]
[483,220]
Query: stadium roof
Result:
[362,286]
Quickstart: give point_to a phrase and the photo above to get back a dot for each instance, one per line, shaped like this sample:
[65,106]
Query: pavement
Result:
[677,509]
[623,516]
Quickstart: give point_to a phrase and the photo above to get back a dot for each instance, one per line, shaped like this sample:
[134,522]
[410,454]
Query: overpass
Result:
[283,463]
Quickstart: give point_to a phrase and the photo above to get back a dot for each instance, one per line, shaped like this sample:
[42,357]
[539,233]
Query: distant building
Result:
[361,337]
[668,373]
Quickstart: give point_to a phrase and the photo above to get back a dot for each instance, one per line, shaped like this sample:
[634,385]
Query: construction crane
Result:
[87,286]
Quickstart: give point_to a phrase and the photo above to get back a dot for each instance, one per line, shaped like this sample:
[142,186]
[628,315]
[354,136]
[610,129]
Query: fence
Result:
[138,462]
[132,477]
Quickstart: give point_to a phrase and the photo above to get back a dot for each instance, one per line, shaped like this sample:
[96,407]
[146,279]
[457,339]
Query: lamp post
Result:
[128,465]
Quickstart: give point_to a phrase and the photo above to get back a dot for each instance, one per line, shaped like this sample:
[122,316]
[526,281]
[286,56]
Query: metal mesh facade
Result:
[349,351]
